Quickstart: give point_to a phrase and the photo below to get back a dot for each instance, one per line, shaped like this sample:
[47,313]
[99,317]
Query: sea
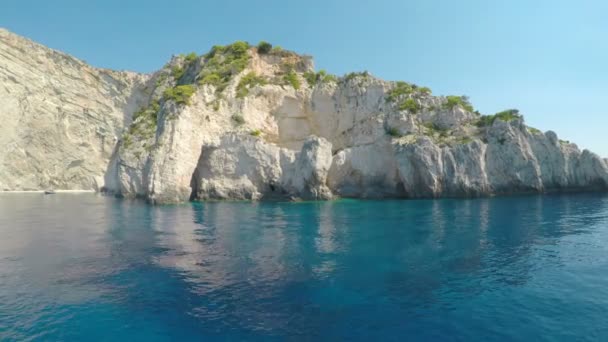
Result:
[87,267]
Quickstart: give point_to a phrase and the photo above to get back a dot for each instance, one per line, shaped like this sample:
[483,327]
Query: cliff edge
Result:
[60,119]
[256,122]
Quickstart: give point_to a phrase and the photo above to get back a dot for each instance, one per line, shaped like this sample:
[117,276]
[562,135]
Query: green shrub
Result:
[161,79]
[403,89]
[280,52]
[311,78]
[434,129]
[393,132]
[350,76]
[485,120]
[264,47]
[213,79]
[215,49]
[126,140]
[292,78]
[464,140]
[238,119]
[286,66]
[410,105]
[255,133]
[534,130]
[180,94]
[143,125]
[425,90]
[322,76]
[222,63]
[236,48]
[191,57]
[177,72]
[247,82]
[400,89]
[460,101]
[505,115]
[508,115]
[239,47]
[353,75]
[149,112]
[216,104]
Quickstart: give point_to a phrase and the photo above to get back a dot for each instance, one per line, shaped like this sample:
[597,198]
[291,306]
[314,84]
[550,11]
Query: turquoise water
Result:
[87,267]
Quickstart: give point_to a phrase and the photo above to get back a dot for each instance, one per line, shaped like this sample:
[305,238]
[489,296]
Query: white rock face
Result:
[245,167]
[307,176]
[513,161]
[60,119]
[67,125]
[366,171]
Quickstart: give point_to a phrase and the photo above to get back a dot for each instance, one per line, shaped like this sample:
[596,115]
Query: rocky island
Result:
[258,122]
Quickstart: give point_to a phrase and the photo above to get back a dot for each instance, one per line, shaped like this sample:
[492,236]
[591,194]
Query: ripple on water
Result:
[514,268]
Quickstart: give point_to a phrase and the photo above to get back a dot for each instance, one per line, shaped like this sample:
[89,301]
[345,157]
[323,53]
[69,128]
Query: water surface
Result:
[88,267]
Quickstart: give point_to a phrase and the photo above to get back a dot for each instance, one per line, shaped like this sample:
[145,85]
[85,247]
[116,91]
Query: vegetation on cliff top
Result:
[179,70]
[222,63]
[460,101]
[247,82]
[409,105]
[191,57]
[356,74]
[404,89]
[181,94]
[292,78]
[505,115]
[404,96]
[312,78]
[264,47]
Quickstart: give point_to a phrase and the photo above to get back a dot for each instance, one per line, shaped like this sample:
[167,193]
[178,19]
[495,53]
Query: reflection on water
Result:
[75,266]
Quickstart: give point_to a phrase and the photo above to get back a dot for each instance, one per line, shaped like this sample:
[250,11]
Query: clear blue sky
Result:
[549,58]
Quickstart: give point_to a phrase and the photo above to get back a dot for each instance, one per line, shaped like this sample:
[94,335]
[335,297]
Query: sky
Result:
[547,58]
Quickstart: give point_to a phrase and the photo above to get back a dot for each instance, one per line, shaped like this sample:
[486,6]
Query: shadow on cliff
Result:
[136,100]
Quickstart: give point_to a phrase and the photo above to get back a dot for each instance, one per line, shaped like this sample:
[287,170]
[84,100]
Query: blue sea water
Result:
[83,267]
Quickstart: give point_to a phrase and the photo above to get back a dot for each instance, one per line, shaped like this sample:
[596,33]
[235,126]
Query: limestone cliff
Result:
[60,119]
[242,122]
